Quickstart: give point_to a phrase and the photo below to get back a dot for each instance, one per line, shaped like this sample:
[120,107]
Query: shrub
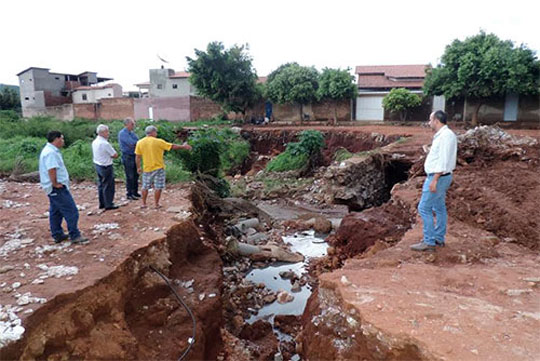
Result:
[298,155]
[400,100]
[21,153]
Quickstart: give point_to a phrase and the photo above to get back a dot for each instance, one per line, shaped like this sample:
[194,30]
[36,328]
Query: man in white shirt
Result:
[103,154]
[439,165]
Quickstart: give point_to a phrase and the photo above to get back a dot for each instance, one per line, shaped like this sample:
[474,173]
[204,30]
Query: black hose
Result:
[191,340]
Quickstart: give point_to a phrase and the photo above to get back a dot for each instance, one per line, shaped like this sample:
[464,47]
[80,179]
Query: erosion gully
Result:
[246,307]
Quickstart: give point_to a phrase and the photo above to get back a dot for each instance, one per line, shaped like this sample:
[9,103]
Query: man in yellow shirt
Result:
[150,149]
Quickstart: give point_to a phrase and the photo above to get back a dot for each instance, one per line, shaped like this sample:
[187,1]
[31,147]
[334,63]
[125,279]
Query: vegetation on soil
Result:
[216,152]
[484,66]
[300,154]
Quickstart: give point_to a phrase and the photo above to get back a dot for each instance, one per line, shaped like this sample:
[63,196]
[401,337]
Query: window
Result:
[175,86]
[159,86]
[30,79]
[84,97]
[26,98]
[109,94]
[57,78]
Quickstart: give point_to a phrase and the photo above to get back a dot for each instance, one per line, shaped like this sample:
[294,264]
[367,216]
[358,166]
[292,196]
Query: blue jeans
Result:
[62,206]
[105,185]
[132,177]
[434,202]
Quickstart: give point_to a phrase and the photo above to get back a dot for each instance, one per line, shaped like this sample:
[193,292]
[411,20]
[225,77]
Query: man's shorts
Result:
[156,177]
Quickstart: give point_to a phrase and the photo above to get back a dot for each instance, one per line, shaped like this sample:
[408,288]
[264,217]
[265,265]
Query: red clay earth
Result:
[478,298]
[115,307]
[483,283]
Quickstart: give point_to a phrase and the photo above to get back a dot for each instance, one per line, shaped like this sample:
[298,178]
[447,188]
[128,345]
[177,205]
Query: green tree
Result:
[293,84]
[336,85]
[225,76]
[9,100]
[400,100]
[483,66]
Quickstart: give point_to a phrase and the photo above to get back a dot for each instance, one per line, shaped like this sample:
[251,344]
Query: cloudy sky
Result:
[121,39]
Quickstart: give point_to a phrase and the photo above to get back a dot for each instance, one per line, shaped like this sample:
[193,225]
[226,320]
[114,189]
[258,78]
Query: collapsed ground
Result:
[375,300]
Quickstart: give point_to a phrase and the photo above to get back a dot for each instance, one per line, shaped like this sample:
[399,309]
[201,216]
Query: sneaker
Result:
[137,195]
[113,206]
[61,238]
[133,198]
[439,243]
[80,240]
[423,247]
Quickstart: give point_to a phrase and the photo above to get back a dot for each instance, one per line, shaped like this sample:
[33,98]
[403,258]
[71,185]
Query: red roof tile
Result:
[391,76]
[180,74]
[398,71]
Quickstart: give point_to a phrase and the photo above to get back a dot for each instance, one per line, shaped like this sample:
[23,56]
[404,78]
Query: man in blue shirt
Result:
[127,139]
[54,179]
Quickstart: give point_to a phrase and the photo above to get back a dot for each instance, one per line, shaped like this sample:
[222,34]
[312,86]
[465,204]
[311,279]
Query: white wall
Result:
[93,95]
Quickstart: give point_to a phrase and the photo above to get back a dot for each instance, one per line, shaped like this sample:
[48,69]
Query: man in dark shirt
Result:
[127,139]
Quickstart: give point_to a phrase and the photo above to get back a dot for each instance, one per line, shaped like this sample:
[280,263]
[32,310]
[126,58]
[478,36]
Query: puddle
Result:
[308,244]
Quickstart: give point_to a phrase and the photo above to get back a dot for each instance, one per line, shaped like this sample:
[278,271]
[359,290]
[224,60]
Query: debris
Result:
[10,325]
[284,297]
[104,227]
[27,298]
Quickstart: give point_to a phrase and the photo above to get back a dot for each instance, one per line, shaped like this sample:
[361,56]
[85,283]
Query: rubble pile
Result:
[492,141]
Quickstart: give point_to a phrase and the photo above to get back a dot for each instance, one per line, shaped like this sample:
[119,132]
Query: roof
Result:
[96,87]
[180,75]
[399,71]
[143,85]
[391,76]
[262,79]
[32,67]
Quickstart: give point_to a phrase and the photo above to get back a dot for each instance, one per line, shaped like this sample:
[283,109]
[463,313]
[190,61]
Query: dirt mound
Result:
[359,231]
[132,314]
[501,198]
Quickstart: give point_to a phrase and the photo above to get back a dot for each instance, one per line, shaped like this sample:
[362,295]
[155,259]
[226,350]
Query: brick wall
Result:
[87,111]
[54,100]
[203,108]
[116,108]
[325,110]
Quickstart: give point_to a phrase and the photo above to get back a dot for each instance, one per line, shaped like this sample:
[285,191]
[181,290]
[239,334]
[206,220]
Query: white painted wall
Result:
[369,107]
[93,95]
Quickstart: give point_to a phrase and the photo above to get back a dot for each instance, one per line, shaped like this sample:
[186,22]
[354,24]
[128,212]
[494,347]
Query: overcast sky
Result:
[121,39]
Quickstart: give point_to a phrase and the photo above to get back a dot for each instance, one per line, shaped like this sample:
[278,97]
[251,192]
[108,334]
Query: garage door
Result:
[369,107]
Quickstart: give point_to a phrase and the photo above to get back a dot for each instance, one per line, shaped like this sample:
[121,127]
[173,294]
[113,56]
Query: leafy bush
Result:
[175,172]
[78,160]
[400,100]
[297,155]
[287,161]
[21,153]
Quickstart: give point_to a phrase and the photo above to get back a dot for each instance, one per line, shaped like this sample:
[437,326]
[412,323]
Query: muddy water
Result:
[309,245]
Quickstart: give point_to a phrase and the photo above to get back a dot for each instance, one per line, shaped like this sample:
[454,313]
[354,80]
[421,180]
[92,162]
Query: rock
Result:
[269,298]
[331,251]
[296,287]
[284,297]
[16,285]
[322,225]
[287,275]
[6,268]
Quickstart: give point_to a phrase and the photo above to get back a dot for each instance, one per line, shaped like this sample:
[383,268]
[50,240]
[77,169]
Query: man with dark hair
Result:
[127,139]
[103,154]
[54,179]
[439,164]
